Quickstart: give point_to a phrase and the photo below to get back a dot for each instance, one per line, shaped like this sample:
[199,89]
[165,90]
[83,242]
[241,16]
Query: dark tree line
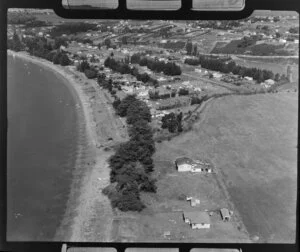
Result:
[26,19]
[132,163]
[124,68]
[72,28]
[169,68]
[191,49]
[231,67]
[154,94]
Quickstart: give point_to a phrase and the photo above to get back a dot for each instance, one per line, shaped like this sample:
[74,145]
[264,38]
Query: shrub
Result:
[56,59]
[64,60]
[128,203]
[83,65]
[183,91]
[125,103]
[90,73]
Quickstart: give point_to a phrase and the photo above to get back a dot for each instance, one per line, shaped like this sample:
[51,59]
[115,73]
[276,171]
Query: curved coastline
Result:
[87,161]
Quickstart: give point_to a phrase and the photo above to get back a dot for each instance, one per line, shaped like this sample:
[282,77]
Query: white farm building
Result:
[197,220]
[184,164]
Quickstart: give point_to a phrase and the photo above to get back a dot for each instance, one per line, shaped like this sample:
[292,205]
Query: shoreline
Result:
[90,164]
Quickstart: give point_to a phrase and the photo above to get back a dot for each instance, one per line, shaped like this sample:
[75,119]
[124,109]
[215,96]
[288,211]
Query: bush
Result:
[181,196]
[83,65]
[64,60]
[183,91]
[128,203]
[195,100]
[56,59]
[50,56]
[90,73]
[125,103]
[138,110]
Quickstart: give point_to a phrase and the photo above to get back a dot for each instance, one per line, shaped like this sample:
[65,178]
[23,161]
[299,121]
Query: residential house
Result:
[184,164]
[197,220]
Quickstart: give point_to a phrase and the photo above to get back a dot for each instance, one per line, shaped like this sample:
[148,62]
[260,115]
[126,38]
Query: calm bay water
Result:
[42,144]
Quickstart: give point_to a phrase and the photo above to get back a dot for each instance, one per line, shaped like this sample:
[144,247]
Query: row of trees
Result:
[217,24]
[125,68]
[191,49]
[72,28]
[132,164]
[169,68]
[26,19]
[155,94]
[231,67]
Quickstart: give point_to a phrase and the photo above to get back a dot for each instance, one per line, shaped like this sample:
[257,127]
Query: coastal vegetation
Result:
[40,47]
[132,164]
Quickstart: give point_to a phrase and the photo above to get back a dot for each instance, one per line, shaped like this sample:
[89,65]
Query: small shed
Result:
[208,170]
[194,201]
[225,214]
[167,234]
[197,220]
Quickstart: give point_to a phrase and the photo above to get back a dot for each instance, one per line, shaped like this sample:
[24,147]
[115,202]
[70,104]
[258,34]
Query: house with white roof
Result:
[197,220]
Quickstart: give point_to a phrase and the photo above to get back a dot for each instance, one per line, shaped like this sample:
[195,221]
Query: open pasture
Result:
[252,142]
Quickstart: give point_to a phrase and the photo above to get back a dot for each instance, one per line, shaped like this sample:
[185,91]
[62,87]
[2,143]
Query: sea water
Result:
[41,150]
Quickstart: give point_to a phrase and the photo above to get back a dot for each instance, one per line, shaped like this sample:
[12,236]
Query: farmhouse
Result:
[184,164]
[197,220]
[225,214]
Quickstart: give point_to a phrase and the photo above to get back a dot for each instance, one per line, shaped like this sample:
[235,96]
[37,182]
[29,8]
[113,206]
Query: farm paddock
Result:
[252,141]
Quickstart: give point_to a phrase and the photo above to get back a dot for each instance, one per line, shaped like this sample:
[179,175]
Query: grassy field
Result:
[252,142]
[164,211]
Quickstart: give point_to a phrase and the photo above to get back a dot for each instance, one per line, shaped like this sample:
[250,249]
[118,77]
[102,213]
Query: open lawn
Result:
[252,142]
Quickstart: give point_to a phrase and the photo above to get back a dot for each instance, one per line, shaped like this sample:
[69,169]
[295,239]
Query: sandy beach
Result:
[88,216]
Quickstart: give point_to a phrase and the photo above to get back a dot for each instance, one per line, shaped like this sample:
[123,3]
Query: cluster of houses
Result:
[198,219]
